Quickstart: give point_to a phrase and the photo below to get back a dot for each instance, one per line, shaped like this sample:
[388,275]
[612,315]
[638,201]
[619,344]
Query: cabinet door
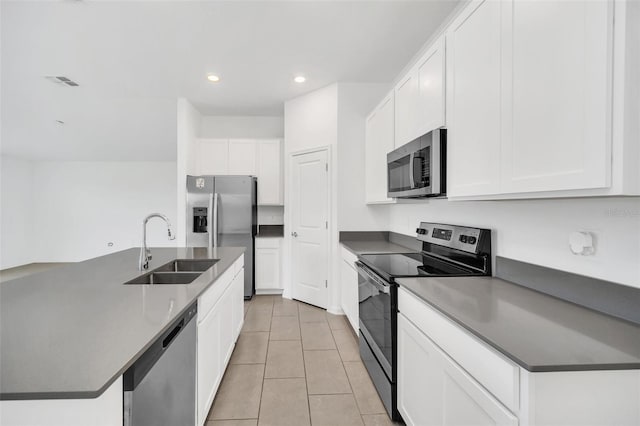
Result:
[431,89]
[238,303]
[268,263]
[242,157]
[268,268]
[420,378]
[270,172]
[212,156]
[227,326]
[474,65]
[559,109]
[209,361]
[349,292]
[406,95]
[434,390]
[379,141]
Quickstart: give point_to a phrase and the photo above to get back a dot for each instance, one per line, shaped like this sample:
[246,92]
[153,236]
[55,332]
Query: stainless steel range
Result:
[447,250]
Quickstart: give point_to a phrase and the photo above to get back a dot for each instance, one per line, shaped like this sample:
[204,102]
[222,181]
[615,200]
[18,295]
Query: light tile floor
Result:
[296,365]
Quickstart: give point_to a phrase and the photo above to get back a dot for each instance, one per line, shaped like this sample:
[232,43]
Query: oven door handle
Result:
[374,280]
[412,181]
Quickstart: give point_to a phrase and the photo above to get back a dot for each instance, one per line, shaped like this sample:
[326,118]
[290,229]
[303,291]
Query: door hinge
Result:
[326,166]
[326,225]
[325,284]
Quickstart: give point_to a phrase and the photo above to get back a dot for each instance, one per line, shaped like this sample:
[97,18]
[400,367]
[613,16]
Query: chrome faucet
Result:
[145,253]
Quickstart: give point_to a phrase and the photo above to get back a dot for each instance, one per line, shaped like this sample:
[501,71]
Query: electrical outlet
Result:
[582,243]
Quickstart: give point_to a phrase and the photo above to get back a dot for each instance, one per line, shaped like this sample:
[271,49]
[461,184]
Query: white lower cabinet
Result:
[434,390]
[268,265]
[218,328]
[349,287]
[447,376]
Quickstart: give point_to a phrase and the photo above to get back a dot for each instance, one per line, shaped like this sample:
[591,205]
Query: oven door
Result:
[376,305]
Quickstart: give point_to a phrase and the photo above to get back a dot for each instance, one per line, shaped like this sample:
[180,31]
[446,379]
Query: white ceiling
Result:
[134,59]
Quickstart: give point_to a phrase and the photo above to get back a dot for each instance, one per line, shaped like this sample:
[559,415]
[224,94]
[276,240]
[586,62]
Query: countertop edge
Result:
[518,361]
[18,396]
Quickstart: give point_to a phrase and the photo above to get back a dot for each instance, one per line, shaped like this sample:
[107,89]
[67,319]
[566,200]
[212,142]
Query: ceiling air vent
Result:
[62,80]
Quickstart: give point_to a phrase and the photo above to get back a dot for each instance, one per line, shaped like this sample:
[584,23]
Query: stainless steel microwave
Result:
[418,169]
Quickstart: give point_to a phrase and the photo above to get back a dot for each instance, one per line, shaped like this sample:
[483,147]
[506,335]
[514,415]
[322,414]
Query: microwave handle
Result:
[412,181]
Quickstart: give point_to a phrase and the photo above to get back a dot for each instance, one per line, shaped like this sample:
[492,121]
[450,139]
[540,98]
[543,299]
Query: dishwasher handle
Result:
[167,340]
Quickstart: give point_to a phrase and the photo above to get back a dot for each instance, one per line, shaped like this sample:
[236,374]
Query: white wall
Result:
[311,121]
[537,231]
[82,206]
[188,130]
[355,101]
[270,215]
[16,205]
[334,117]
[258,127]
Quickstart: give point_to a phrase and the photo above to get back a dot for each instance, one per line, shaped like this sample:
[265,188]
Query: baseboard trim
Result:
[268,291]
[335,310]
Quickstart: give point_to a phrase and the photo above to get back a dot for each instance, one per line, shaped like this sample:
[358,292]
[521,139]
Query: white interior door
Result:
[309,233]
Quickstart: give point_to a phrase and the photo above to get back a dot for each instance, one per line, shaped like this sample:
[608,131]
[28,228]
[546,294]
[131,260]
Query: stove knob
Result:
[421,231]
[471,240]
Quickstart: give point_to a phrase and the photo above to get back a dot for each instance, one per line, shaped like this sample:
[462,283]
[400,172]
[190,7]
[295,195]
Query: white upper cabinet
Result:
[379,141]
[406,92]
[473,95]
[242,157]
[269,172]
[557,95]
[529,98]
[430,72]
[419,96]
[255,157]
[212,156]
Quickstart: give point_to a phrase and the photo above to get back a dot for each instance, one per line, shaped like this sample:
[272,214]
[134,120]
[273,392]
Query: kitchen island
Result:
[71,332]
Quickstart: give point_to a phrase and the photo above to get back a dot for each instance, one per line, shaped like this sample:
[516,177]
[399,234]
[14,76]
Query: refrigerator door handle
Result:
[215,219]
[210,216]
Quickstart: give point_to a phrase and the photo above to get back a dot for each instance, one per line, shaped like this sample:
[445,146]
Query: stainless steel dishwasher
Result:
[160,387]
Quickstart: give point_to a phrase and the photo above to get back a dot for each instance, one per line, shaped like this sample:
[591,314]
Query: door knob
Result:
[294,234]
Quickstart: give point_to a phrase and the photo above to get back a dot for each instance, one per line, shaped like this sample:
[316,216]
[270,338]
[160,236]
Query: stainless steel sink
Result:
[154,278]
[187,265]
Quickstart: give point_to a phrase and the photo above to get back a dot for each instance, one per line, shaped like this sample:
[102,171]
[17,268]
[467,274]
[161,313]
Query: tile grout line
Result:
[264,369]
[304,366]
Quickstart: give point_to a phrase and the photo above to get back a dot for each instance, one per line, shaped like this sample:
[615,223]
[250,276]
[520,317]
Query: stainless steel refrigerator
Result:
[222,212]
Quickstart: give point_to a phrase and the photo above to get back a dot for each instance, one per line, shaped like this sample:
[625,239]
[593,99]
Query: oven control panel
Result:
[458,237]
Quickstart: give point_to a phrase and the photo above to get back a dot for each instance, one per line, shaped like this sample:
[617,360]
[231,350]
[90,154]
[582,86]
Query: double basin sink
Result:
[178,271]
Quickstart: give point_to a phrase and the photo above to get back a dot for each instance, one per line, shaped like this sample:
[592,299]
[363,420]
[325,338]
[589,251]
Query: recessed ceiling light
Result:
[213,78]
[300,79]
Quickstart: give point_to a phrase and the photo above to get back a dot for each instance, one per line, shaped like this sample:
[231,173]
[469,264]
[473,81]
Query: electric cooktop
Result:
[410,265]
[447,250]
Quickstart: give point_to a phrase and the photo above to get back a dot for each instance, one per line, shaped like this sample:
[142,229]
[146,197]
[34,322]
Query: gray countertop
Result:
[537,331]
[374,246]
[71,331]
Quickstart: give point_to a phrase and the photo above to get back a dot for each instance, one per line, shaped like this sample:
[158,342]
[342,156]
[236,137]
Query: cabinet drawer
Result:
[238,265]
[348,256]
[268,242]
[496,373]
[209,298]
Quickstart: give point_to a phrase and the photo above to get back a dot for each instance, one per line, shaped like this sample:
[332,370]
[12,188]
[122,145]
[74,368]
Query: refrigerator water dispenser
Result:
[199,219]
